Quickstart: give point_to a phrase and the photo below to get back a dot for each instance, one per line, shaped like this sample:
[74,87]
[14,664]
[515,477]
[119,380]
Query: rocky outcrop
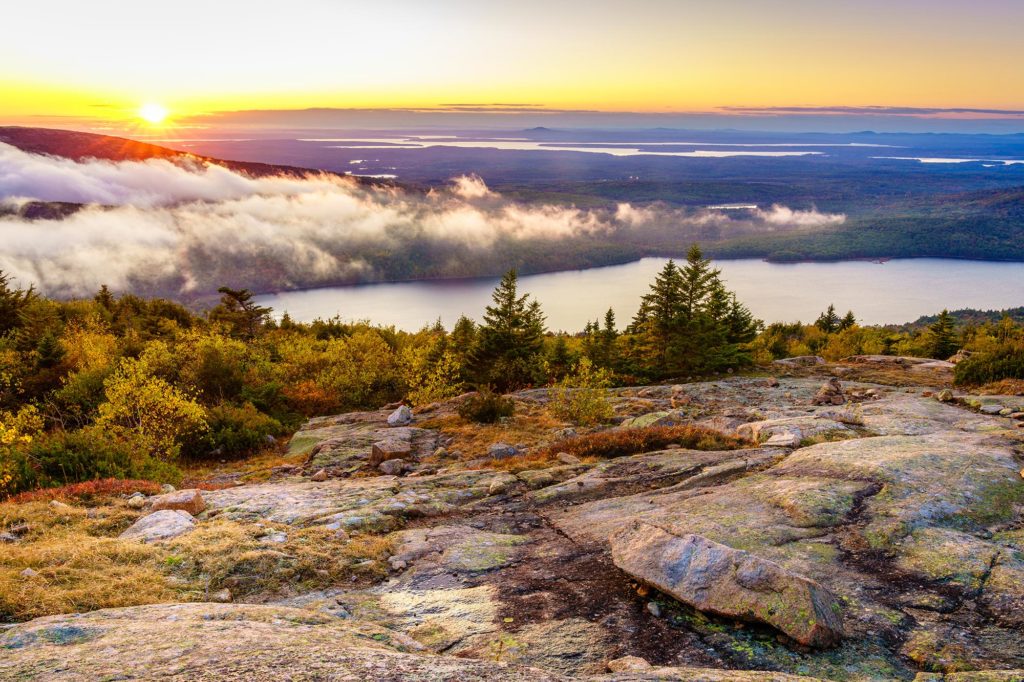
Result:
[718,579]
[907,509]
[160,525]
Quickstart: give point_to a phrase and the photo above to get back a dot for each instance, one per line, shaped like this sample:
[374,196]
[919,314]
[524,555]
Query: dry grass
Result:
[622,442]
[255,469]
[81,565]
[1003,387]
[532,426]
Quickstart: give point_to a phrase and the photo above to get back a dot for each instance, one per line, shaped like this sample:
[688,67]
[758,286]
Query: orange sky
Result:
[104,59]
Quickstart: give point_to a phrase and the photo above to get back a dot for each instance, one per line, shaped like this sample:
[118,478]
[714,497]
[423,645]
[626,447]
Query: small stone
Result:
[501,484]
[830,393]
[187,500]
[1017,415]
[59,506]
[222,596]
[441,453]
[275,537]
[29,573]
[389,448]
[394,467]
[167,488]
[783,440]
[136,502]
[8,537]
[991,409]
[566,458]
[628,664]
[320,476]
[654,609]
[160,525]
[673,446]
[501,451]
[398,564]
[400,417]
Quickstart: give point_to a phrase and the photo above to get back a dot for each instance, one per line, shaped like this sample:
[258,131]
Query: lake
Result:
[895,291]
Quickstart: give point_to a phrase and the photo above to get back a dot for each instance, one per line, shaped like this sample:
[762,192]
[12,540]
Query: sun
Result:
[153,113]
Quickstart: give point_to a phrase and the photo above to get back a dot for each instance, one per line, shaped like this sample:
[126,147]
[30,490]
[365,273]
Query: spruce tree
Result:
[828,321]
[12,302]
[238,309]
[49,352]
[510,343]
[104,297]
[943,332]
[690,323]
[849,320]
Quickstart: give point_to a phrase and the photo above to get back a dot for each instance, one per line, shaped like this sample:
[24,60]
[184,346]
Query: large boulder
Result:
[717,579]
[160,525]
[187,500]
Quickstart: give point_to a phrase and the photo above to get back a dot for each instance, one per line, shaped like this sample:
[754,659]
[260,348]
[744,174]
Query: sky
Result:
[99,61]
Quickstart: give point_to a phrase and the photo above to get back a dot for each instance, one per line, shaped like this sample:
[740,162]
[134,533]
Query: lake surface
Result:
[878,293]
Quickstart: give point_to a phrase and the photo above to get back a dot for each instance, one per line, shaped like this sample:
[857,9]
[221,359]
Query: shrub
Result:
[233,432]
[64,457]
[140,404]
[430,382]
[621,442]
[89,491]
[486,407]
[1004,363]
[581,397]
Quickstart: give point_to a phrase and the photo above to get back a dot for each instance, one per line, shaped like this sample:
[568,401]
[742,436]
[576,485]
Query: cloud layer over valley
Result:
[184,230]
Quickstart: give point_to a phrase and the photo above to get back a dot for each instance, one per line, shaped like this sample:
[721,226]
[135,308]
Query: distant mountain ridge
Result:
[78,146]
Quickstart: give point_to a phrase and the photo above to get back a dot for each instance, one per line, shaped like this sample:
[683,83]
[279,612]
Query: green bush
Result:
[486,407]
[234,432]
[1005,363]
[64,457]
[582,397]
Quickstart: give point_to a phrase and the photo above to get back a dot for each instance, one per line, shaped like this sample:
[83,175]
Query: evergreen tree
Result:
[240,312]
[849,320]
[104,297]
[943,333]
[690,323]
[828,321]
[49,352]
[12,302]
[508,352]
[560,358]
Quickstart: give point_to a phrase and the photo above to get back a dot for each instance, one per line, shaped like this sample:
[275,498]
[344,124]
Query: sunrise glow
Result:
[152,113]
